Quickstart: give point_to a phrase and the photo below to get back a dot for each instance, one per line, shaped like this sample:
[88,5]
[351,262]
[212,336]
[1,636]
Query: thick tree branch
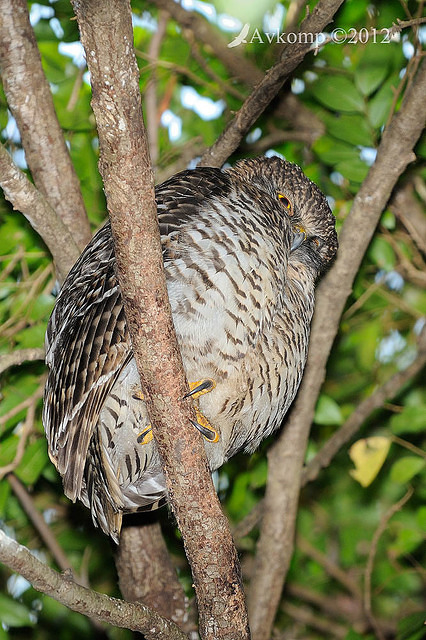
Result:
[90,603]
[30,101]
[286,457]
[106,34]
[27,199]
[146,573]
[270,85]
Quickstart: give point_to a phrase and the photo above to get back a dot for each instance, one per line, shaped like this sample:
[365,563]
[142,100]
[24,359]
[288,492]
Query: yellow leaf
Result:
[368,456]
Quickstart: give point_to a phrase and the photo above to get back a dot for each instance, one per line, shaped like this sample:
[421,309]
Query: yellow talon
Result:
[204,427]
[200,387]
[138,395]
[146,436]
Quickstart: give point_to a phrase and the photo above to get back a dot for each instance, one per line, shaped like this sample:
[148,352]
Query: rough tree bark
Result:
[152,582]
[106,34]
[30,101]
[275,545]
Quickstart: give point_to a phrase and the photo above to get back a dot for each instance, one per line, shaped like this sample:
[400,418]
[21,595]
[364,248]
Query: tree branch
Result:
[275,546]
[146,573]
[98,606]
[106,34]
[269,86]
[30,101]
[239,66]
[19,357]
[39,522]
[26,198]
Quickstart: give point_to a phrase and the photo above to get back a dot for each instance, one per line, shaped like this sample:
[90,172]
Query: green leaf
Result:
[351,128]
[338,93]
[378,107]
[407,541]
[31,336]
[33,461]
[410,420]
[355,169]
[411,627]
[331,151]
[368,455]
[406,468]
[381,253]
[372,69]
[13,613]
[327,411]
[8,449]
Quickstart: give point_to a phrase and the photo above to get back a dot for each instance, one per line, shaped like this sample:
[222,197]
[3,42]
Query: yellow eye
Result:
[286,203]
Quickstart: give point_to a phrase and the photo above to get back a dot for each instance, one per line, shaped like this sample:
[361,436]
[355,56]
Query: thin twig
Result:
[19,357]
[372,554]
[39,523]
[25,432]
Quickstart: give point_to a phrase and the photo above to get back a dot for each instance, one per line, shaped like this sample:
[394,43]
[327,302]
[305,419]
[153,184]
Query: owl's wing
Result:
[87,341]
[87,344]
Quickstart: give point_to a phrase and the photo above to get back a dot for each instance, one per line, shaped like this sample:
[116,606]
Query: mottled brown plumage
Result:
[242,249]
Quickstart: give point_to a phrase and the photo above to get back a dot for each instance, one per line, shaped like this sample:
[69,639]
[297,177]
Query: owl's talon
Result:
[200,387]
[146,436]
[209,433]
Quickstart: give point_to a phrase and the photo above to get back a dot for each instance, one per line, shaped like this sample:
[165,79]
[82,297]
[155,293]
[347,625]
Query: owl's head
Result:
[301,200]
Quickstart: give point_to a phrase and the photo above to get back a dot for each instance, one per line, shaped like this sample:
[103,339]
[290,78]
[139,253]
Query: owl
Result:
[243,249]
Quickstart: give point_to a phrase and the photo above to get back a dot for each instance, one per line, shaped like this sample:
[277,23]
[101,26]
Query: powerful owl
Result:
[243,249]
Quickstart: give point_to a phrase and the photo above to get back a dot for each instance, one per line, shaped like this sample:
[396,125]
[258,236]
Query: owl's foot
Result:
[204,427]
[199,388]
[146,436]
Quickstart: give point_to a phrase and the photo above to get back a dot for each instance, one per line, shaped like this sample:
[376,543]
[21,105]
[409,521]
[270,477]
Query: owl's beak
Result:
[299,236]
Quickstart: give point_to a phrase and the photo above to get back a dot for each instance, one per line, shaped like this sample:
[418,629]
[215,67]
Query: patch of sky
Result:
[204,107]
[56,27]
[11,133]
[40,12]
[418,326]
[229,23]
[337,178]
[368,155]
[392,279]
[73,50]
[273,20]
[408,48]
[421,34]
[271,153]
[297,86]
[206,9]
[254,135]
[145,21]
[331,202]
[17,585]
[390,346]
[173,123]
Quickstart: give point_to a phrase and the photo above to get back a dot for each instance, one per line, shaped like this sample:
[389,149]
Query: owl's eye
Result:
[286,203]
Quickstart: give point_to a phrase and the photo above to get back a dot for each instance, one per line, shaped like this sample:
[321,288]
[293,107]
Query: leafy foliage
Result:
[351,90]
